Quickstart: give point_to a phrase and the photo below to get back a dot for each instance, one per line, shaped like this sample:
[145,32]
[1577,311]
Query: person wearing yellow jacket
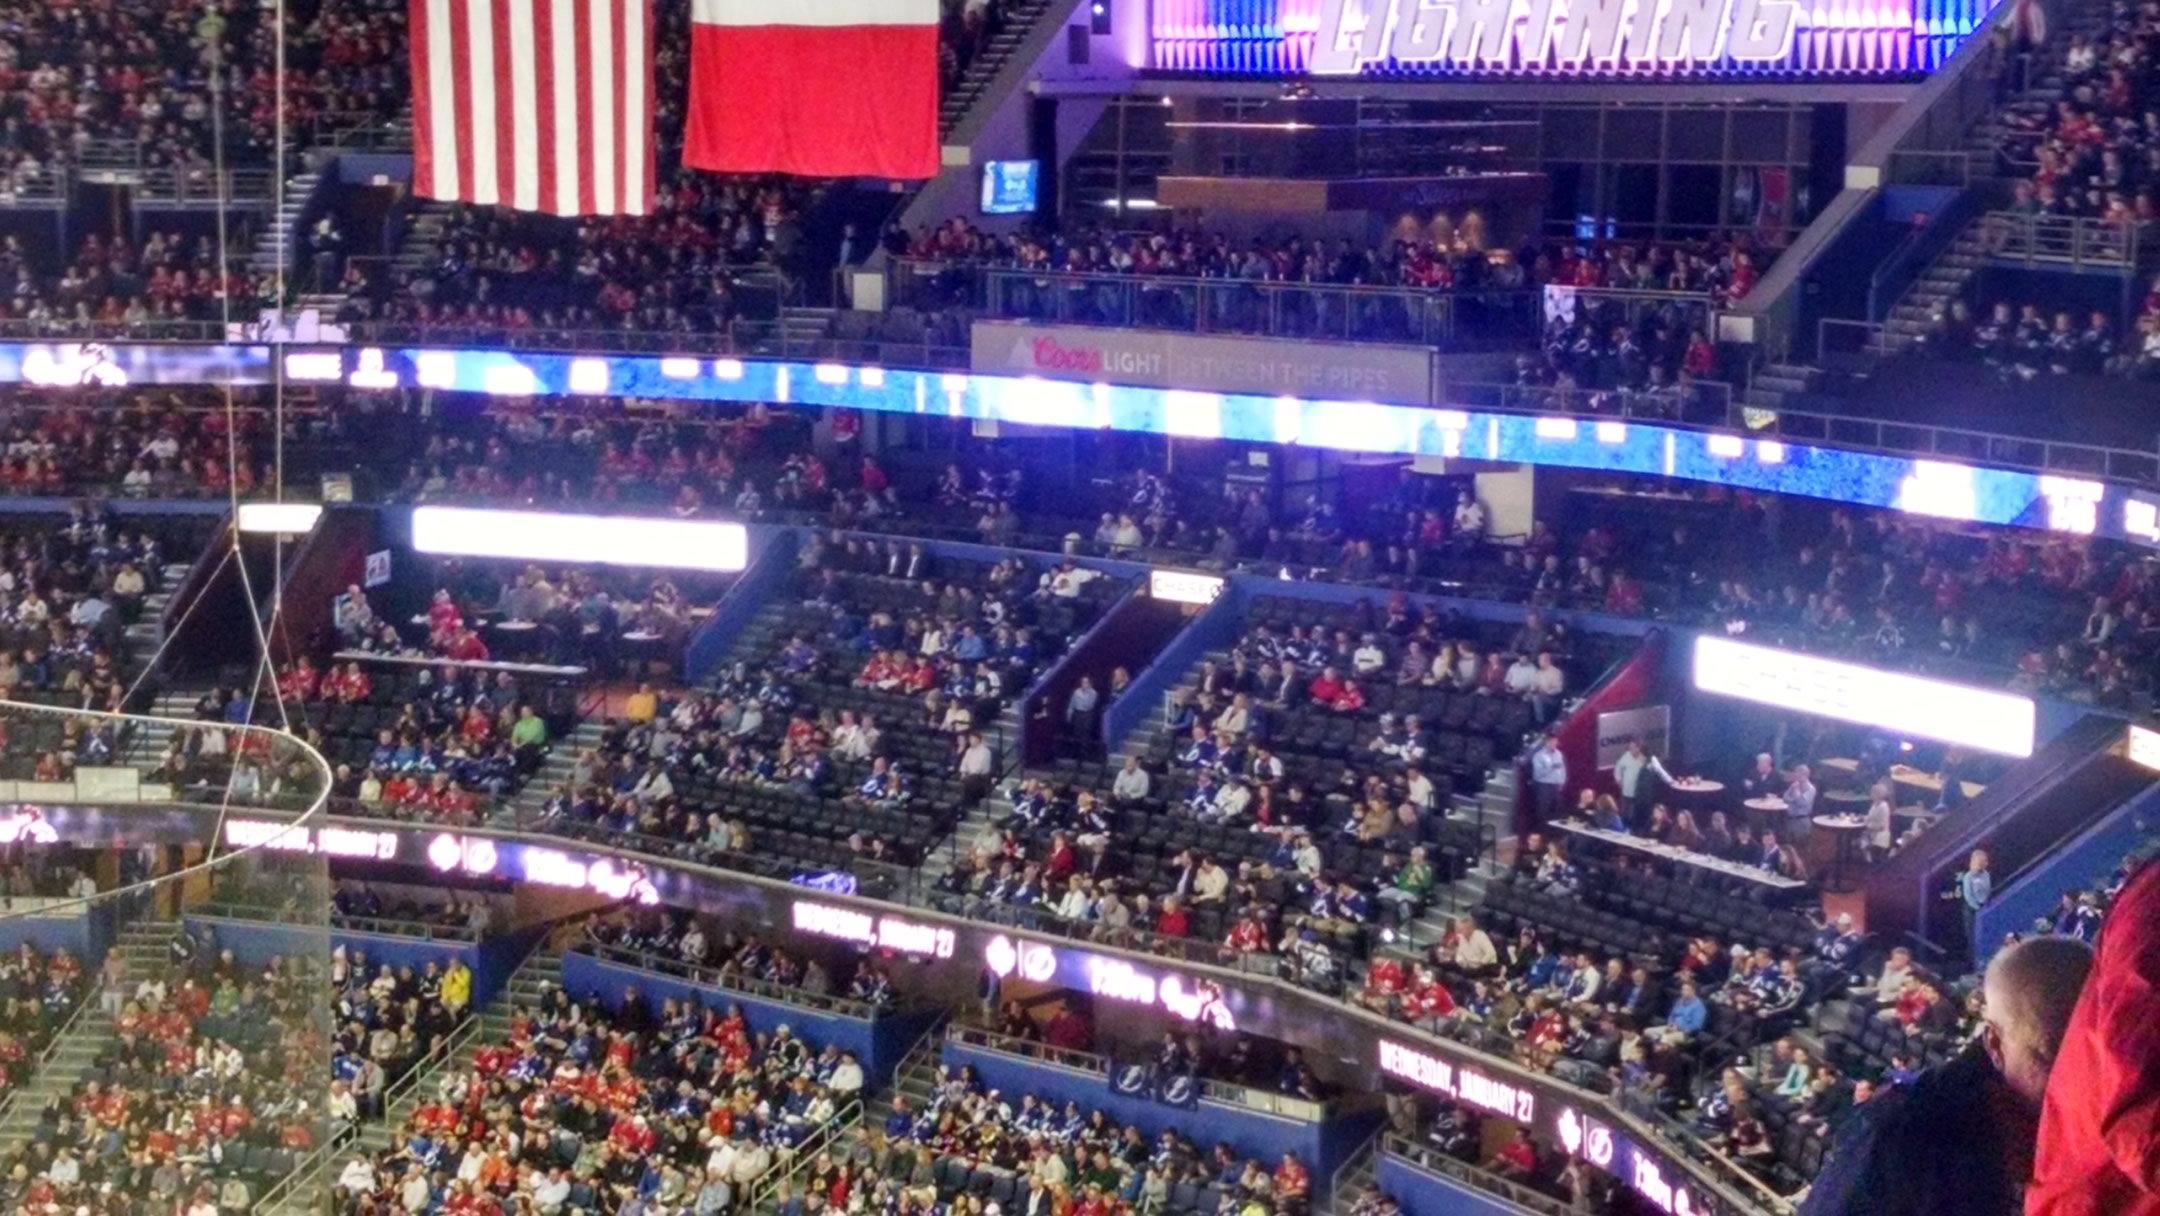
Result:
[457,987]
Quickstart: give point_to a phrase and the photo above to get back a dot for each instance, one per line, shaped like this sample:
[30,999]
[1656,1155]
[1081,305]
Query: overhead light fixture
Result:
[281,518]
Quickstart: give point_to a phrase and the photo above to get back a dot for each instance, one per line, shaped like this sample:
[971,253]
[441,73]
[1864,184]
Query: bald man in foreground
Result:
[1958,1140]
[2100,1132]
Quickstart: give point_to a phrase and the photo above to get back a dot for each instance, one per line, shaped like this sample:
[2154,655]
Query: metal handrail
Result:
[378,925]
[1434,1161]
[451,1043]
[1226,1092]
[52,1048]
[1367,1150]
[739,339]
[793,1159]
[313,1163]
[1928,439]
[713,977]
[2085,242]
[1270,307]
[16,328]
[611,845]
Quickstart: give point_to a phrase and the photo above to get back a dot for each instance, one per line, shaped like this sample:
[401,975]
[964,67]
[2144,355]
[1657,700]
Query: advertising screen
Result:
[1008,186]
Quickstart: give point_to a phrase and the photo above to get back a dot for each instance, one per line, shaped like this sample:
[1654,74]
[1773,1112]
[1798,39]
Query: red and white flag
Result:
[822,88]
[540,105]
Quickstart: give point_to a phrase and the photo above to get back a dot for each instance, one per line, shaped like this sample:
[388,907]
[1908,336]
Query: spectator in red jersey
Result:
[2099,1148]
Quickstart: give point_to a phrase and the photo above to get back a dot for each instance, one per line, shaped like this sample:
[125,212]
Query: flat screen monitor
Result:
[1008,186]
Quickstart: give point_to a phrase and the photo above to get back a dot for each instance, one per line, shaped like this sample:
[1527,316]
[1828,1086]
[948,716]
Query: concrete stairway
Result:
[147,740]
[837,1136]
[988,61]
[1354,1175]
[89,1034]
[300,1193]
[554,772]
[916,1078]
[1773,384]
[1931,294]
[143,636]
[541,970]
[275,244]
[416,251]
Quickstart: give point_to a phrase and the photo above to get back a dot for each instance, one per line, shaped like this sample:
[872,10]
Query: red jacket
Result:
[2099,1151]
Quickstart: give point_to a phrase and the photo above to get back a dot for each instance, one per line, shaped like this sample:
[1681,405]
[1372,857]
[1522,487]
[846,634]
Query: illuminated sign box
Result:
[1179,587]
[2143,748]
[1312,417]
[1719,39]
[282,518]
[328,841]
[1458,1081]
[881,932]
[1981,718]
[659,544]
[1192,998]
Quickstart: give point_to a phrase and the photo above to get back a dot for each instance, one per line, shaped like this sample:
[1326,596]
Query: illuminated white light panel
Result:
[1981,718]
[2073,504]
[667,544]
[1937,488]
[370,370]
[2142,519]
[589,376]
[436,369]
[314,365]
[509,380]
[1556,428]
[285,518]
[727,369]
[1730,447]
[1183,587]
[1192,415]
[1770,451]
[679,369]
[2143,748]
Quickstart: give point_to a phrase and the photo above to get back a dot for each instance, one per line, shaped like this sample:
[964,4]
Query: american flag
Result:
[539,105]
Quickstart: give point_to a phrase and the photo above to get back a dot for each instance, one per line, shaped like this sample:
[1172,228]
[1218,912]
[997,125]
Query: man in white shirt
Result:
[1522,676]
[1211,884]
[1418,789]
[1891,982]
[654,785]
[552,1191]
[413,1192]
[1474,951]
[1368,657]
[1800,805]
[1237,719]
[1469,518]
[751,1162]
[1305,855]
[976,765]
[1230,802]
[847,1077]
[720,1163]
[1551,682]
[358,1176]
[1133,782]
[1628,773]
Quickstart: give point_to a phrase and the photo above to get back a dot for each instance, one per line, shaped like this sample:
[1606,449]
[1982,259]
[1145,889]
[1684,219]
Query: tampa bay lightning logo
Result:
[1132,1079]
[1178,1090]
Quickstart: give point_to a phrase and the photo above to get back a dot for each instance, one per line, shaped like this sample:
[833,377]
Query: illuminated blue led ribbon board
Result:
[1942,489]
[1567,39]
